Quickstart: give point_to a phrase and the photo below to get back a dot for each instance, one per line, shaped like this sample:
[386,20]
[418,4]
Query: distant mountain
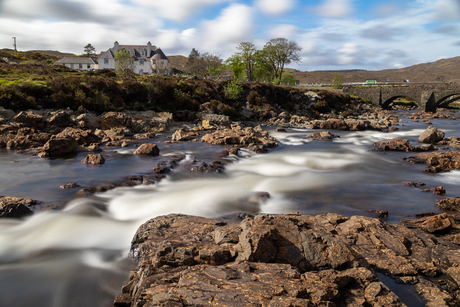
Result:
[444,70]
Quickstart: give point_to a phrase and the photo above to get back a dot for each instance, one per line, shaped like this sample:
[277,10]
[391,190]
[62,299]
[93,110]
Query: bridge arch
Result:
[387,103]
[445,101]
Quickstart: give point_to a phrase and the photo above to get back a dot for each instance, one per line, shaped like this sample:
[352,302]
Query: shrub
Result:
[233,90]
[321,107]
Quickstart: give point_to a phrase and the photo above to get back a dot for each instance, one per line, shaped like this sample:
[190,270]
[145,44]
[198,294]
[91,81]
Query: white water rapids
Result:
[77,256]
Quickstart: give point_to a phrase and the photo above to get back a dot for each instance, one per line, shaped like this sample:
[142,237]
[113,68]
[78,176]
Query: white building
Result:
[77,63]
[148,59]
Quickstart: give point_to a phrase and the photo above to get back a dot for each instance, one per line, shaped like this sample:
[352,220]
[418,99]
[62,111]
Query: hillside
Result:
[440,71]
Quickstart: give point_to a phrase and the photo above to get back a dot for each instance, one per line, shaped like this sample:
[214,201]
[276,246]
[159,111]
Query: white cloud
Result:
[447,10]
[285,31]
[233,26]
[334,8]
[275,7]
[347,54]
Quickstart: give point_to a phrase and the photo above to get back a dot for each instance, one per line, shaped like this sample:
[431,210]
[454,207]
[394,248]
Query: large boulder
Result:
[59,146]
[147,150]
[83,137]
[431,135]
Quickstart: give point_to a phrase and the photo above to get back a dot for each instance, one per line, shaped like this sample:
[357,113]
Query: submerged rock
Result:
[94,159]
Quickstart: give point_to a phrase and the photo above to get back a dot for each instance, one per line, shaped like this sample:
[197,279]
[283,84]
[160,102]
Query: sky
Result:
[333,34]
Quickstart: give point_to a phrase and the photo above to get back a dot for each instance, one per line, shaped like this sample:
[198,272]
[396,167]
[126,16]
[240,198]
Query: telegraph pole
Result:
[14,44]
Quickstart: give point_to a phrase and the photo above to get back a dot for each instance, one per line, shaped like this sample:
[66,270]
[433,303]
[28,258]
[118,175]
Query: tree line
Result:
[249,63]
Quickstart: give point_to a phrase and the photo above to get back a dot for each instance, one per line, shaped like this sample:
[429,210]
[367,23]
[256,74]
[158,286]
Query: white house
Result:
[148,59]
[77,63]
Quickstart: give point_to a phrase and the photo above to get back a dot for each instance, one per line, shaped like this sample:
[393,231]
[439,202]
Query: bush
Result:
[233,90]
[321,107]
[255,99]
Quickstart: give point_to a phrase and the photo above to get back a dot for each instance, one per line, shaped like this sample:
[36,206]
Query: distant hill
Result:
[440,71]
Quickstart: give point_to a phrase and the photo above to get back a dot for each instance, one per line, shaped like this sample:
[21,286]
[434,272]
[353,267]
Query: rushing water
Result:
[78,256]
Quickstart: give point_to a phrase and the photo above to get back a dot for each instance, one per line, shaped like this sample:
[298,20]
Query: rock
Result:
[147,149]
[322,135]
[438,223]
[15,207]
[71,185]
[431,135]
[145,136]
[58,146]
[437,161]
[396,144]
[217,120]
[30,119]
[115,119]
[236,136]
[59,119]
[14,211]
[358,125]
[337,124]
[266,260]
[280,129]
[450,204]
[94,159]
[184,135]
[81,136]
[88,121]
[197,166]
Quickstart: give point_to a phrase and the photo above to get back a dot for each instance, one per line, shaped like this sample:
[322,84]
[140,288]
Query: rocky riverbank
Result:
[292,260]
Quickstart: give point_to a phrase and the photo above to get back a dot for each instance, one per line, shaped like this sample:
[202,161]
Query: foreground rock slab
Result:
[291,260]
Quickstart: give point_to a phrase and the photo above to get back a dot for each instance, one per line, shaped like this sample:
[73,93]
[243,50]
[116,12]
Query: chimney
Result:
[149,49]
[115,47]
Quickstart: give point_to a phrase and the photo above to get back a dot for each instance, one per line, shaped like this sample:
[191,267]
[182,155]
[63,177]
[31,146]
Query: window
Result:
[106,61]
[142,62]
[80,66]
[88,66]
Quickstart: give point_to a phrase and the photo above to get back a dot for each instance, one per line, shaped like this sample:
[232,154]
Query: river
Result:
[78,256]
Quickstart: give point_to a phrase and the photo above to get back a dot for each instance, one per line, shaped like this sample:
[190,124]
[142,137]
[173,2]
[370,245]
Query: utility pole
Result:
[14,44]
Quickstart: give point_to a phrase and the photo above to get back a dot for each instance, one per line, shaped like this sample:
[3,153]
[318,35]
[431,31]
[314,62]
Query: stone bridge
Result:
[428,97]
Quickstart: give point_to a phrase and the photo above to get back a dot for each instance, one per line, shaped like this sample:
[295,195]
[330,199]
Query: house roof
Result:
[75,60]
[139,52]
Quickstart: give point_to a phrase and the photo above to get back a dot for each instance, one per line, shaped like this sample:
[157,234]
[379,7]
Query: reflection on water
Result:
[75,257]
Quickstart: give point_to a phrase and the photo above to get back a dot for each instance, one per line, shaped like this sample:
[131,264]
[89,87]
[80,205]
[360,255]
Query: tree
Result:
[288,79]
[204,65]
[279,52]
[124,62]
[337,81]
[236,65]
[262,68]
[89,51]
[246,52]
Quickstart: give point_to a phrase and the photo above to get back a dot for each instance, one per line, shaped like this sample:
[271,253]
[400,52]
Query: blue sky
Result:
[333,34]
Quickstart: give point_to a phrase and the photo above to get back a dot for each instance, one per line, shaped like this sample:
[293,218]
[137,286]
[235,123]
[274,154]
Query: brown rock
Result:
[94,159]
[337,124]
[438,223]
[15,207]
[396,144]
[59,119]
[437,161]
[71,185]
[431,135]
[450,204]
[322,135]
[81,136]
[58,147]
[114,119]
[30,119]
[147,149]
[88,121]
[184,135]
